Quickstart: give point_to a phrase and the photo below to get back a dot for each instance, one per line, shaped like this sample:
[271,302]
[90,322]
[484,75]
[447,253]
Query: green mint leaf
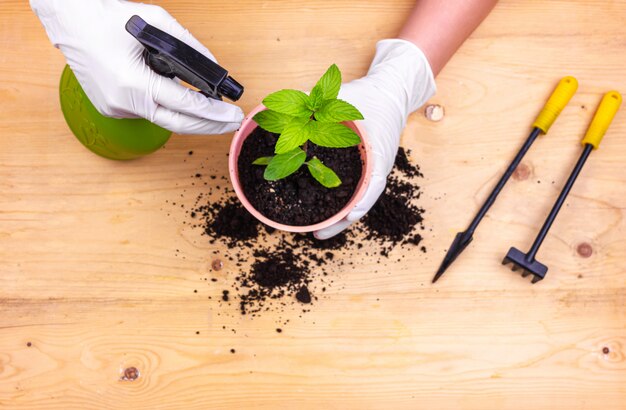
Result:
[333,135]
[337,111]
[316,98]
[290,102]
[272,121]
[330,82]
[295,133]
[323,174]
[262,161]
[283,165]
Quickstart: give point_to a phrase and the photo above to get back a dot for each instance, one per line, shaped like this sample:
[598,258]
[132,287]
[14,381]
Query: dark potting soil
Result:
[303,295]
[393,217]
[229,221]
[273,270]
[272,276]
[403,164]
[298,199]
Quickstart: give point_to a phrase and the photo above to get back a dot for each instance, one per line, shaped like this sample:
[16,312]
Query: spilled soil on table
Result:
[269,270]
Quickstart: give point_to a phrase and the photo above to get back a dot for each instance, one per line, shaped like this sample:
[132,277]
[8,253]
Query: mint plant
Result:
[303,119]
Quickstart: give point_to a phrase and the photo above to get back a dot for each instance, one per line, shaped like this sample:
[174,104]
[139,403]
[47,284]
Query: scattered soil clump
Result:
[228,221]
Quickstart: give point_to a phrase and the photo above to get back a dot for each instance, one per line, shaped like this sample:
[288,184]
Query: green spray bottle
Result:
[123,139]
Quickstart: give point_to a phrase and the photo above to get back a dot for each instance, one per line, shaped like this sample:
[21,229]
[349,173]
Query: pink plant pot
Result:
[247,126]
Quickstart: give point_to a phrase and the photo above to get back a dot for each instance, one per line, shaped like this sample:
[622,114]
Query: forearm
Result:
[439,27]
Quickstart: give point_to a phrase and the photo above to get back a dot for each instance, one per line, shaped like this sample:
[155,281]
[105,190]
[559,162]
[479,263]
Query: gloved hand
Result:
[398,82]
[108,63]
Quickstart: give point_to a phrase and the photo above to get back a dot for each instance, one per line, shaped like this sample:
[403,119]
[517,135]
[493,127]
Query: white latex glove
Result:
[108,63]
[398,82]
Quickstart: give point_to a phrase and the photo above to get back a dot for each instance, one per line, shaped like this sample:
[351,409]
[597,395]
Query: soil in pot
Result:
[297,200]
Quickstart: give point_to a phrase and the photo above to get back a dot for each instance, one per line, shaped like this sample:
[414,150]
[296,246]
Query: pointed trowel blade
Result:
[461,240]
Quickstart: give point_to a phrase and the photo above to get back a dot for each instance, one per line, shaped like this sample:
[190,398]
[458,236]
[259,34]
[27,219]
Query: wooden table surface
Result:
[91,283]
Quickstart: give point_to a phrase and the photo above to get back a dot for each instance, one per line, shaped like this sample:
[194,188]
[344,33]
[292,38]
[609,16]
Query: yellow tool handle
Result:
[602,119]
[558,100]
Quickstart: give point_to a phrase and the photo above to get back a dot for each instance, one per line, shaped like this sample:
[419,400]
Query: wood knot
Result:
[434,112]
[130,374]
[522,172]
[612,354]
[584,250]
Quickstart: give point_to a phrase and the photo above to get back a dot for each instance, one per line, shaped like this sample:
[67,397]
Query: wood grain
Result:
[90,275]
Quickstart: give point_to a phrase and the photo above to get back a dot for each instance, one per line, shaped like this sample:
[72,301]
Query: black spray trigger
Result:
[159,64]
[170,57]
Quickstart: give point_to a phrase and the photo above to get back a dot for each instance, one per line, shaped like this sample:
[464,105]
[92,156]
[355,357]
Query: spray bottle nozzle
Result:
[170,57]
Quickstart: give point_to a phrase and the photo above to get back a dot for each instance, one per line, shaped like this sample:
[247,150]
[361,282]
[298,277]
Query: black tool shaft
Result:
[503,180]
[559,203]
[463,239]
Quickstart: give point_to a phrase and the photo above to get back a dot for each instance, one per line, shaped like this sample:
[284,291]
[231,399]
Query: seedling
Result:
[303,119]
